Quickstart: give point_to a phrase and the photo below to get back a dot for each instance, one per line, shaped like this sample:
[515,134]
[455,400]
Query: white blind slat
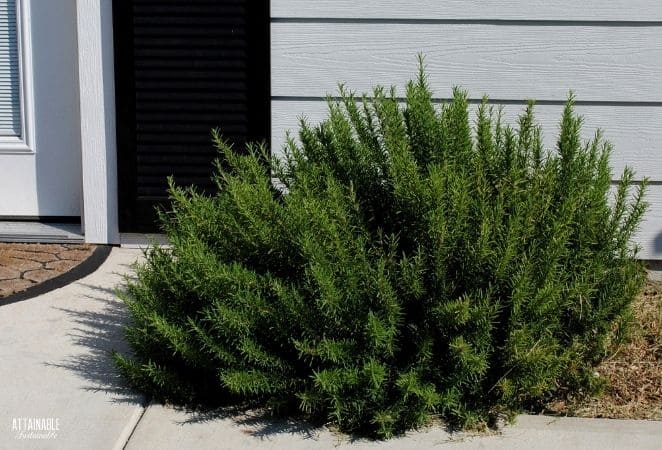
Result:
[10,88]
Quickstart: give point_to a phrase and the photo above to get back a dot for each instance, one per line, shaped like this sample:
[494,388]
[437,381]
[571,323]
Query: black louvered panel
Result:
[185,67]
[183,48]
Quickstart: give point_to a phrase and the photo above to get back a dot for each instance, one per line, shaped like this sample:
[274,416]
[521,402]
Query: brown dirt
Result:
[633,372]
[25,265]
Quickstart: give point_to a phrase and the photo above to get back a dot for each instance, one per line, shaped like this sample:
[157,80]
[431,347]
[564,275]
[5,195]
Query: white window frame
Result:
[25,142]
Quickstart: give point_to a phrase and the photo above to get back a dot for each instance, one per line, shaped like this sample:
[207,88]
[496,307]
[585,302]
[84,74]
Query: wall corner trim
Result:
[97,109]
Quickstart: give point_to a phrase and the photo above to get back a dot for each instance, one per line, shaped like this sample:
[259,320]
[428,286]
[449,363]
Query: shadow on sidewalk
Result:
[96,334]
[256,422]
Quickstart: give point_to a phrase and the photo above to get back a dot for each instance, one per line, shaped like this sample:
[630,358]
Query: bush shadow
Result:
[256,422]
[98,333]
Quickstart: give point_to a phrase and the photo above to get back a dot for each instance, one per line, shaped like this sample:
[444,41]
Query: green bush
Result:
[408,264]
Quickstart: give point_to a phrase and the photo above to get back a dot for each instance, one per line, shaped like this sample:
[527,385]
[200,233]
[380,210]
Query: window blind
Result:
[10,87]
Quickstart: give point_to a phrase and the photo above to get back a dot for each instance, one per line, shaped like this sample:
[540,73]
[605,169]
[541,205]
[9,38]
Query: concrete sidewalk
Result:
[165,428]
[55,366]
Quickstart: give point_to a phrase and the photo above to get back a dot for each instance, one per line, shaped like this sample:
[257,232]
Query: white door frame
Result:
[97,109]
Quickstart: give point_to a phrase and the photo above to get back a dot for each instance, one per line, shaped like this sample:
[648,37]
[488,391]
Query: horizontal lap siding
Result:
[627,128]
[507,61]
[587,10]
[608,53]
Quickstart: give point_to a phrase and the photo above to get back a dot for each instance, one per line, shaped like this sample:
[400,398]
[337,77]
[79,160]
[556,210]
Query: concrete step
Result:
[46,233]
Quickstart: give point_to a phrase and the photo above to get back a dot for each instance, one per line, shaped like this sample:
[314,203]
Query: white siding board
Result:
[600,63]
[565,10]
[634,143]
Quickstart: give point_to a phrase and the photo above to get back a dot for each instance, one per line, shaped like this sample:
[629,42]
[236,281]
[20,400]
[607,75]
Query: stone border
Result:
[84,268]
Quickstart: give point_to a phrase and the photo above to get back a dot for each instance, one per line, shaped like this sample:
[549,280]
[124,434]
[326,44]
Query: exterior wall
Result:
[608,53]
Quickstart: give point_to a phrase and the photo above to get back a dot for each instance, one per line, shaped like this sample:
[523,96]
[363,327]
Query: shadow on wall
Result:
[655,265]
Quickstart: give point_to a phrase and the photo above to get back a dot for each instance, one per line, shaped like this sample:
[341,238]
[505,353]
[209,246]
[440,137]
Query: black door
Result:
[182,68]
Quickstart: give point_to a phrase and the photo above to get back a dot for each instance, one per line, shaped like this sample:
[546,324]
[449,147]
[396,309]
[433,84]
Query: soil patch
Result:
[633,372]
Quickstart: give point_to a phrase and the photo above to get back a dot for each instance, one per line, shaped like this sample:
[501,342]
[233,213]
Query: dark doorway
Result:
[183,67]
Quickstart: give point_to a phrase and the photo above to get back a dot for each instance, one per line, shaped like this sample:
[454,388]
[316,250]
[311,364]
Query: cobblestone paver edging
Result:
[26,265]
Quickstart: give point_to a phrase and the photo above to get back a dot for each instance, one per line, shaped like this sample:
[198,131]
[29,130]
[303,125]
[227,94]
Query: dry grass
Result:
[633,373]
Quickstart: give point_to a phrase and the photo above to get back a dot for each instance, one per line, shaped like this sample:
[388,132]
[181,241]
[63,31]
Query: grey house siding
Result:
[609,53]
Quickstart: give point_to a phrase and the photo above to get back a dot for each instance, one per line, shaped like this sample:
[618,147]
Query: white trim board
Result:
[97,107]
